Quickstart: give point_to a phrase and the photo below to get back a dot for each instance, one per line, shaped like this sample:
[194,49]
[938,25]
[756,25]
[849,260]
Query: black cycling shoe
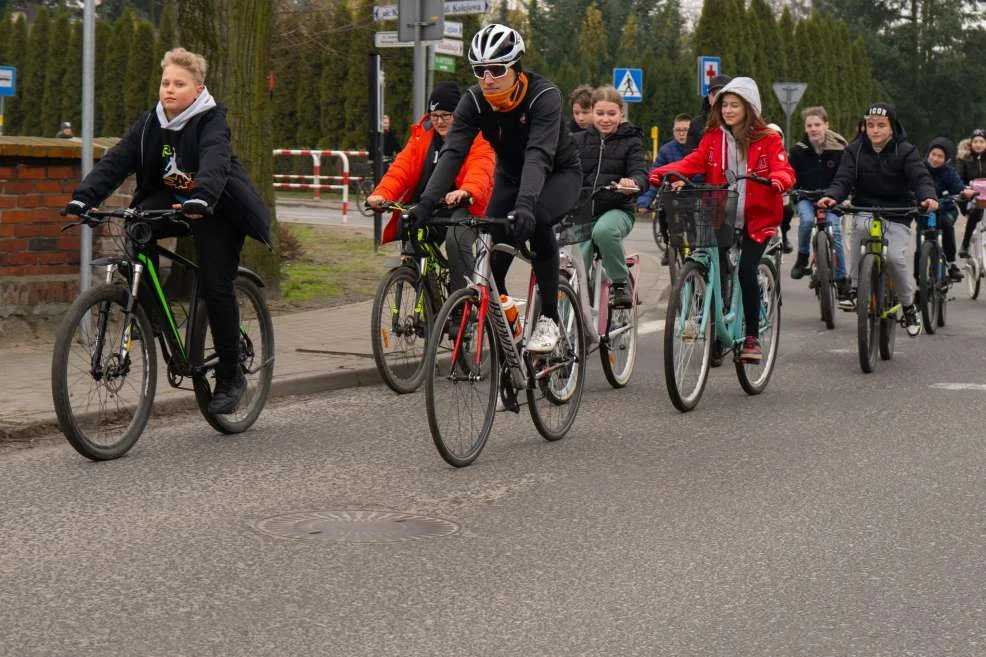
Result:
[620,296]
[955,273]
[664,258]
[843,288]
[800,266]
[226,397]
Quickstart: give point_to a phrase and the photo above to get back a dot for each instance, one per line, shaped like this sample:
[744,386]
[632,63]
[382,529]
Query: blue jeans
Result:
[806,215]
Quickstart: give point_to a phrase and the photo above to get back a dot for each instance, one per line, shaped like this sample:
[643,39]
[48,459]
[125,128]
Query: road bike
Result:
[616,327]
[934,283]
[822,264]
[104,365]
[878,308]
[404,307]
[475,357]
[706,305]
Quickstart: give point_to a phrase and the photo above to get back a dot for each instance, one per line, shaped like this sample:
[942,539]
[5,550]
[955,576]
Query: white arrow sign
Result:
[453,29]
[389,40]
[385,13]
[457,7]
[449,47]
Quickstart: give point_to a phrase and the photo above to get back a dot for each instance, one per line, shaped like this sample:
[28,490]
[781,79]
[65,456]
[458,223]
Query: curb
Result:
[286,387]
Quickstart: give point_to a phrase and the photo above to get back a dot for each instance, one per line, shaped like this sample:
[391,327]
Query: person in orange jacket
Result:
[737,139]
[408,175]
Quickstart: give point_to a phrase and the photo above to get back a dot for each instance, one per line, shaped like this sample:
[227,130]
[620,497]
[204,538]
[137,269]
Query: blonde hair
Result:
[818,111]
[190,61]
[608,93]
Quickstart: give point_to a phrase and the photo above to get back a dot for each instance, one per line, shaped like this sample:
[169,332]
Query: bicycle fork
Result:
[126,337]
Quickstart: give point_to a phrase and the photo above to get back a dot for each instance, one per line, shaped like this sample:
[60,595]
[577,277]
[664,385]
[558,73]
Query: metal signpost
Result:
[708,68]
[420,21]
[88,114]
[8,86]
[789,95]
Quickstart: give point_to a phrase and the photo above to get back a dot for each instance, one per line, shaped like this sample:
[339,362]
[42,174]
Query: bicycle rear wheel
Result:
[560,376]
[687,345]
[461,391]
[662,244]
[823,277]
[869,304]
[928,285]
[618,348]
[755,376]
[399,328]
[102,401]
[256,358]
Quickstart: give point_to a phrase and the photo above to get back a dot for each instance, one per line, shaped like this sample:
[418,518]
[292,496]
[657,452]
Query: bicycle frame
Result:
[728,327]
[876,244]
[572,261]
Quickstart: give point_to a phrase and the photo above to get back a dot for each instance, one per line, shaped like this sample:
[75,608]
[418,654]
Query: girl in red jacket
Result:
[737,139]
[408,175]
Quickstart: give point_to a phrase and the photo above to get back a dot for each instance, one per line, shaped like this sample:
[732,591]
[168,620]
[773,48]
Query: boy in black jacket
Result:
[181,154]
[880,168]
[947,182]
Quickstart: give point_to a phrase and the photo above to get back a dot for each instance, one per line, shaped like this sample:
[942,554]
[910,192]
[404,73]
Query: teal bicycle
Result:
[705,310]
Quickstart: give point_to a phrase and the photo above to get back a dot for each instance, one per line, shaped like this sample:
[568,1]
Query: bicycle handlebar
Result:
[848,208]
[95,217]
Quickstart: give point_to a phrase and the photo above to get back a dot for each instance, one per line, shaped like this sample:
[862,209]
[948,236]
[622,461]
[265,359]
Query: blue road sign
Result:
[708,68]
[8,80]
[630,83]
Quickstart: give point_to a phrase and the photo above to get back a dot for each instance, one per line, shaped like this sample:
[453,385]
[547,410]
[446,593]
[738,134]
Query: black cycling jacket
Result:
[530,142]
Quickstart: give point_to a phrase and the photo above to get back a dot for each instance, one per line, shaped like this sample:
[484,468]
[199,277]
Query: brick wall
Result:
[39,264]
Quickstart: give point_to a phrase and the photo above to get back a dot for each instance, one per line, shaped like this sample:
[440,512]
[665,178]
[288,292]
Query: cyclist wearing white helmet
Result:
[538,173]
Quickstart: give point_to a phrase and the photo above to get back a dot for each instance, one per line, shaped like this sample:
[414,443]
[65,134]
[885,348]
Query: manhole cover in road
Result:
[356,526]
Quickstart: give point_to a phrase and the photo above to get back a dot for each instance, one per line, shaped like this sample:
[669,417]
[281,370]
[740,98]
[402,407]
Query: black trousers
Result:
[558,196]
[971,219]
[217,252]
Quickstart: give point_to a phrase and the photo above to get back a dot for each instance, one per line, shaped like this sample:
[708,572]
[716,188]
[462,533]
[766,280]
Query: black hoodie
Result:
[896,176]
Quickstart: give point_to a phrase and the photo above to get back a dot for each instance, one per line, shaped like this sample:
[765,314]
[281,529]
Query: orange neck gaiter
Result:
[505,101]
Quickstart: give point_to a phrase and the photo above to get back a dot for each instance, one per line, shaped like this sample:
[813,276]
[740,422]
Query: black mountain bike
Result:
[104,367]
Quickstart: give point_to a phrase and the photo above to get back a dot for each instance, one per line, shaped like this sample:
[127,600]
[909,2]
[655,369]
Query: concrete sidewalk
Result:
[315,351]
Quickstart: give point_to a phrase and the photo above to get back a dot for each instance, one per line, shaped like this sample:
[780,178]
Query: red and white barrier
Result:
[316,186]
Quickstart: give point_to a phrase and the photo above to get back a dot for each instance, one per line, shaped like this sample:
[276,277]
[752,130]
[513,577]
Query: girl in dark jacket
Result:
[612,151]
[971,167]
[182,157]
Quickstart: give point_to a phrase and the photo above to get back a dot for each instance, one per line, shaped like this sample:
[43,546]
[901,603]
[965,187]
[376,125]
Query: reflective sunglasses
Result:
[495,70]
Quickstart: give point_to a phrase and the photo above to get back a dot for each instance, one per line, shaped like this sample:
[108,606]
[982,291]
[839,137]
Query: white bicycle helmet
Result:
[496,44]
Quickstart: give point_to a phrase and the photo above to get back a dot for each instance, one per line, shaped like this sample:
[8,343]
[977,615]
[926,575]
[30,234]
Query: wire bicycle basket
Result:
[701,216]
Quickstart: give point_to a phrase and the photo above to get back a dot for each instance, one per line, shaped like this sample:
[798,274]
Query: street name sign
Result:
[449,47]
[460,7]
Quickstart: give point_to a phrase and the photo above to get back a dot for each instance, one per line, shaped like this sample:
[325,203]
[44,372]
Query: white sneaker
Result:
[545,336]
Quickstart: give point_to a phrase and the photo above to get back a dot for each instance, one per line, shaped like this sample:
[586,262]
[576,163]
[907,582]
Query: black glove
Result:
[194,206]
[77,208]
[523,226]
[415,219]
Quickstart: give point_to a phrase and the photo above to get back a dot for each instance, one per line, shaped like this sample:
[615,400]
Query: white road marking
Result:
[981,387]
[652,326]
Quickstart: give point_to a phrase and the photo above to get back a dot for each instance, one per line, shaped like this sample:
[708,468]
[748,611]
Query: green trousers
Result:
[607,234]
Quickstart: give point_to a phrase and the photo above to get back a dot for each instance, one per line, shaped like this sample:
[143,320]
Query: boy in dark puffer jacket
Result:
[947,181]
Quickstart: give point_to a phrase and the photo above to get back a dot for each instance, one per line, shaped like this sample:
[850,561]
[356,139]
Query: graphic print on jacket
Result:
[176,179]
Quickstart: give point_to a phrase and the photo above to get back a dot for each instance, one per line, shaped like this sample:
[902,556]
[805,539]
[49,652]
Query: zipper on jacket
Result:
[599,167]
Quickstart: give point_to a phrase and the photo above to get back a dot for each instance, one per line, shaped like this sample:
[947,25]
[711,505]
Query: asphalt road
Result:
[838,514]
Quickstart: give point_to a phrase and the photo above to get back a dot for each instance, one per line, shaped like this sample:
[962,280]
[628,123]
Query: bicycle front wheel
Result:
[688,331]
[364,189]
[662,244]
[928,285]
[755,376]
[559,376]
[399,328]
[463,379]
[618,348]
[256,358]
[823,277]
[103,399]
[869,304]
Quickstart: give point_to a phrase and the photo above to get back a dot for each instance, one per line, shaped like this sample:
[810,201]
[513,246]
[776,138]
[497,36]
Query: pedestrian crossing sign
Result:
[629,82]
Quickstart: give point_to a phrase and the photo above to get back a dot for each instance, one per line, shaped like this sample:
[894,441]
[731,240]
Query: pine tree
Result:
[114,121]
[770,56]
[712,34]
[140,64]
[104,35]
[51,102]
[309,72]
[71,86]
[593,47]
[284,62]
[355,90]
[332,119]
[790,53]
[35,69]
[6,25]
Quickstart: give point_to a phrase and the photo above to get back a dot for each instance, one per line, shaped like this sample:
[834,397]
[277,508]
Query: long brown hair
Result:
[748,131]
